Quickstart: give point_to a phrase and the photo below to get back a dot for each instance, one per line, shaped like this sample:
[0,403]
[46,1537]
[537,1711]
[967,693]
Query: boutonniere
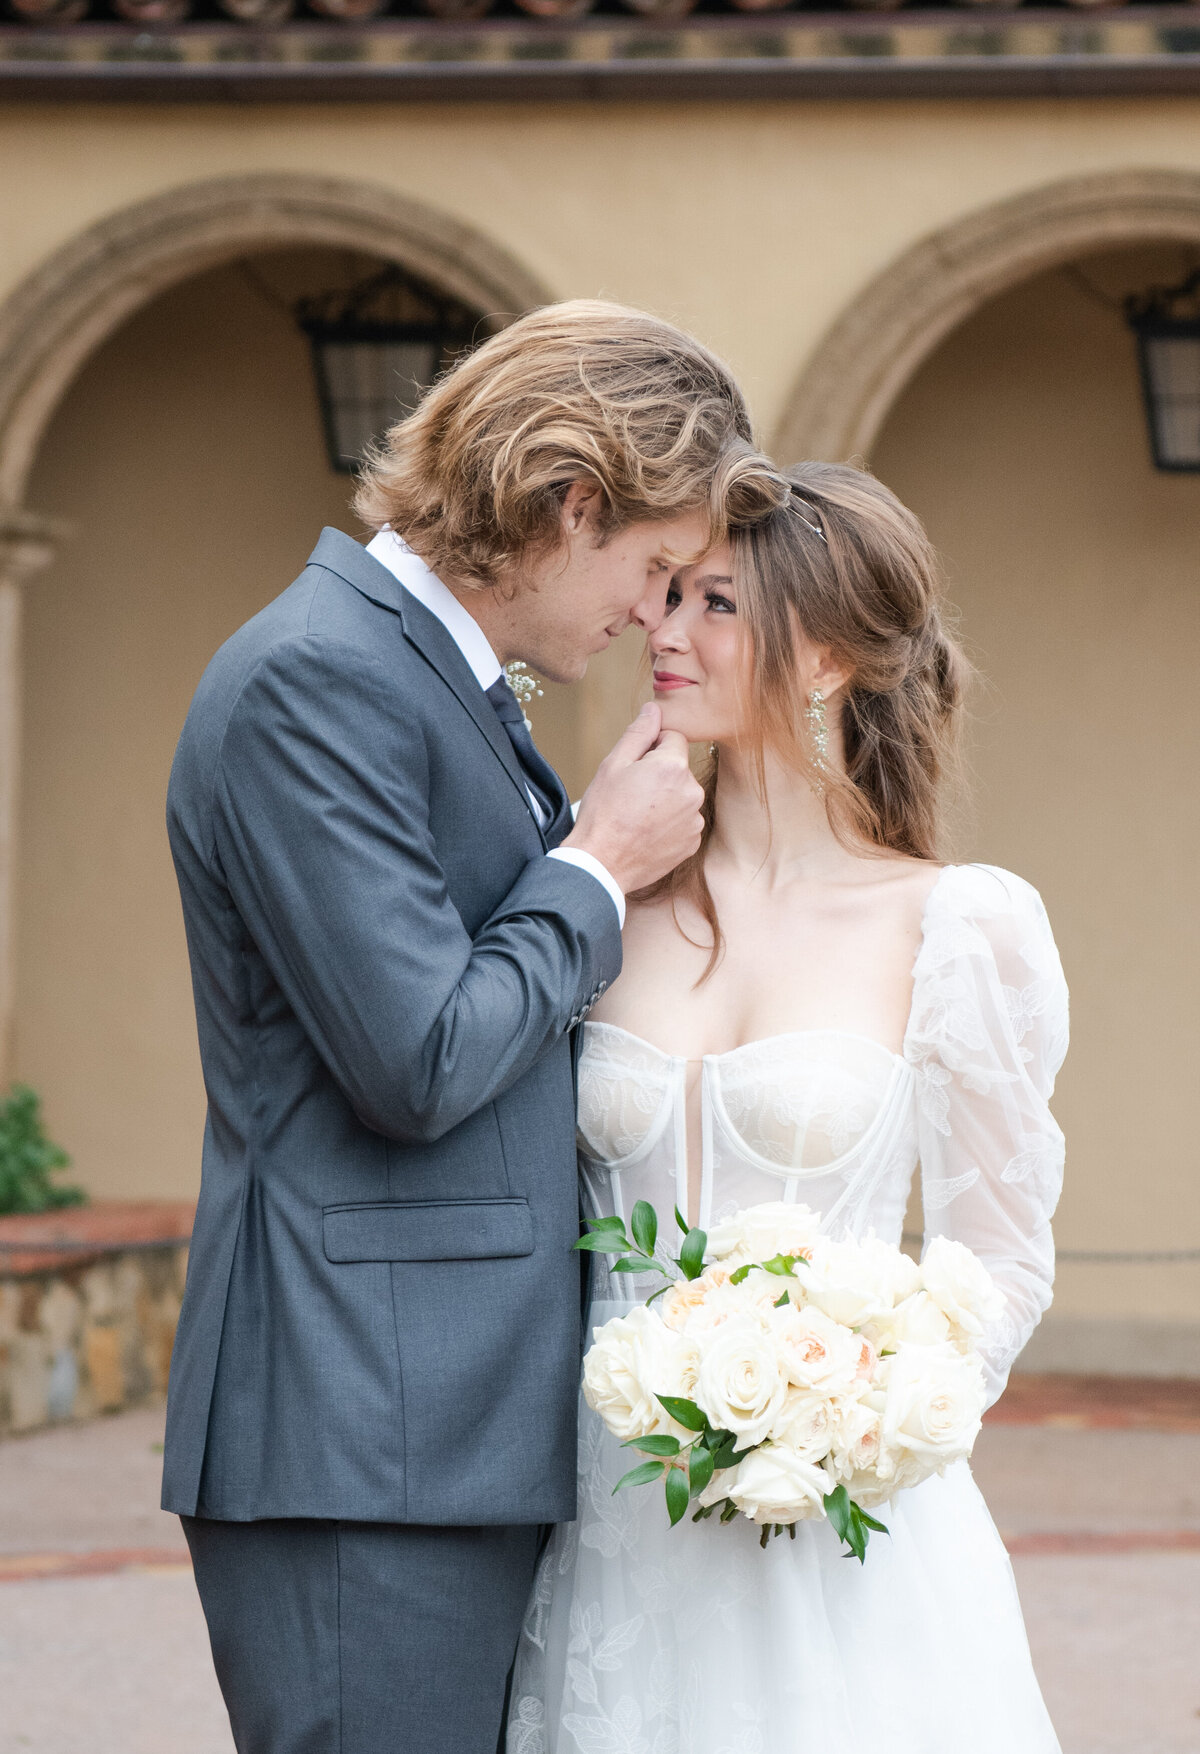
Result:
[523,685]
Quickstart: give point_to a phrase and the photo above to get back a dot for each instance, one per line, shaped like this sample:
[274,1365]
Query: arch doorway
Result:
[157,404]
[1021,441]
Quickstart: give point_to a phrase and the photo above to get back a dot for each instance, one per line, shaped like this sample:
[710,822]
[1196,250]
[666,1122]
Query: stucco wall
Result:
[752,224]
[189,461]
[1077,571]
[188,457]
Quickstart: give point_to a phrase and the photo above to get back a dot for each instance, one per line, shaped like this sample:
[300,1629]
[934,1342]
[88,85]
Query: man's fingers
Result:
[673,744]
[639,737]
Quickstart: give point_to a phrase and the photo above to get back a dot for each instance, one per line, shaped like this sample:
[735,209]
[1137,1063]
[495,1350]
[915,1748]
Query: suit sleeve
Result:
[322,832]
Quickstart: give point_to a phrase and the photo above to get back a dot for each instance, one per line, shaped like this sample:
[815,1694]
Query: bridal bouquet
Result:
[781,1375]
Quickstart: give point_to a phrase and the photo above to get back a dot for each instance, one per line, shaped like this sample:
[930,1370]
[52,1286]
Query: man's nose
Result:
[650,611]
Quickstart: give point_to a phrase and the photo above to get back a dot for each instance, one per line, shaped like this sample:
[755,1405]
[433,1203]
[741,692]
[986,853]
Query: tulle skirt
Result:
[643,1639]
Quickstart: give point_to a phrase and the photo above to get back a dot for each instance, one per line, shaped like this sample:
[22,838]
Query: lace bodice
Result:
[839,1122]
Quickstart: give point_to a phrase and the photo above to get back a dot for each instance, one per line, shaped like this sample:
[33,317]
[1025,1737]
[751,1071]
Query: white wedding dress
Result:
[642,1639]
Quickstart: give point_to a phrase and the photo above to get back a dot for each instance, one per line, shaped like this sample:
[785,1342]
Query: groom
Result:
[394,927]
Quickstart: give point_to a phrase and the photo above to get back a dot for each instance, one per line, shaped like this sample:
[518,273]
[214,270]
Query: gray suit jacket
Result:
[382,1317]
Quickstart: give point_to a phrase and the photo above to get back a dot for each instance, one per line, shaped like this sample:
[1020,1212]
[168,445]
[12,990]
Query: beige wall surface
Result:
[754,224]
[189,460]
[1076,567]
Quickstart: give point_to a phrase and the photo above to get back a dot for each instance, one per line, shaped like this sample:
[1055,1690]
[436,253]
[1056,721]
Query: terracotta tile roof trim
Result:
[727,53]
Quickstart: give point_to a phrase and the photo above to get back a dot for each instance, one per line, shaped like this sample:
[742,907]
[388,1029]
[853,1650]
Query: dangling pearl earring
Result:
[712,750]
[817,721]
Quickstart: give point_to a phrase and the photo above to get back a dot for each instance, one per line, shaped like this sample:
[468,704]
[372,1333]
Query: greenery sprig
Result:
[637,1254]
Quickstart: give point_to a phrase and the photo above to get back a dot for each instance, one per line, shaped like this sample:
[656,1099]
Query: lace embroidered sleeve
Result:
[987,1036]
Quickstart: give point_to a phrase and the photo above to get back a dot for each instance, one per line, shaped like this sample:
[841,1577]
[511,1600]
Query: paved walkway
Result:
[103,1647]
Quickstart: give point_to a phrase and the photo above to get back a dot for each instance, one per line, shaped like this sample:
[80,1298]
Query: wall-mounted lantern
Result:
[376,347]
[1166,321]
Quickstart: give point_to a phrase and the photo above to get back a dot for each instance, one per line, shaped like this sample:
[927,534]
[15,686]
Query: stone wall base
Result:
[89,1300]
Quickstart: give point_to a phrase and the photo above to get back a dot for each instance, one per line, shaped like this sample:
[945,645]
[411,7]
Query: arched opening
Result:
[157,397]
[1021,441]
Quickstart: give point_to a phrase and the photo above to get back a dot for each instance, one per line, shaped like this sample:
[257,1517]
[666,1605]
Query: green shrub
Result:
[28,1159]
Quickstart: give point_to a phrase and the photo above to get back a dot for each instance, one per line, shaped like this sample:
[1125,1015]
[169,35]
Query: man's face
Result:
[574,602]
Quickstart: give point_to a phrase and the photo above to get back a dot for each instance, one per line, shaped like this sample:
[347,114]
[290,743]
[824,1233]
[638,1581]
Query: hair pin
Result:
[808,524]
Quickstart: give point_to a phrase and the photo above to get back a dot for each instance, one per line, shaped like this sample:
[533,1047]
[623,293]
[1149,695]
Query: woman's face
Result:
[700,659]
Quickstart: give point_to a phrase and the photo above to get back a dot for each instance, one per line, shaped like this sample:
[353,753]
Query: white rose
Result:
[722,1302]
[888,1269]
[759,1233]
[719,1487]
[817,1352]
[918,1321]
[961,1286]
[933,1407]
[741,1386]
[634,1359]
[759,1292]
[807,1424]
[775,1485]
[845,1284]
[857,1438]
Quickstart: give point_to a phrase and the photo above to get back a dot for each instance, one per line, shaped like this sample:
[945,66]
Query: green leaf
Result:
[700,1469]
[609,1222]
[654,1445]
[603,1242]
[691,1255]
[837,1509]
[741,1273]
[677,1495]
[870,1523]
[781,1300]
[783,1265]
[640,1476]
[637,1264]
[681,1221]
[685,1413]
[645,1226]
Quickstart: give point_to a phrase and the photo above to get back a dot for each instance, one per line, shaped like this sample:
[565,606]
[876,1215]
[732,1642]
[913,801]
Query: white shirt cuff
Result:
[589,863]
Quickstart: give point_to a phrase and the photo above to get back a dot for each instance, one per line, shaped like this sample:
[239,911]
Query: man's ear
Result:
[581,502]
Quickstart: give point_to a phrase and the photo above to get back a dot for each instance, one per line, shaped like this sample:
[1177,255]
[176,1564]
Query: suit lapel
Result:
[425,633]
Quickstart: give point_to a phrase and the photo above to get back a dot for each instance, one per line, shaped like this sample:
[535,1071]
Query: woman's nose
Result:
[670,635]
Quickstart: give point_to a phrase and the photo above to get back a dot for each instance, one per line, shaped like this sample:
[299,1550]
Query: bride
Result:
[808,1009]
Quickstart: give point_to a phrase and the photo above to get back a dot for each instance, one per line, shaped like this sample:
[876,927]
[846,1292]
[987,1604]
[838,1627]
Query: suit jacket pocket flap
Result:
[443,1230]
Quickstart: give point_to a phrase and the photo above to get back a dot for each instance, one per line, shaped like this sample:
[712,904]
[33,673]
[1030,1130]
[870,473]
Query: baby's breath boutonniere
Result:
[523,685]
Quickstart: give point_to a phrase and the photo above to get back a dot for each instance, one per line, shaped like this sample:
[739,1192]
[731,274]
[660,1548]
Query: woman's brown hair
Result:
[844,565]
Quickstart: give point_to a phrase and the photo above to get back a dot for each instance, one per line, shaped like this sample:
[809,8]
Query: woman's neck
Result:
[772,839]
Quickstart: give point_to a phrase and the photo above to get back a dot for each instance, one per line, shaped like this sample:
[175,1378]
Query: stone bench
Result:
[89,1299]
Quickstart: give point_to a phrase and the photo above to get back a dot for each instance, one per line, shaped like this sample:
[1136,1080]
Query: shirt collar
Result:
[393,552]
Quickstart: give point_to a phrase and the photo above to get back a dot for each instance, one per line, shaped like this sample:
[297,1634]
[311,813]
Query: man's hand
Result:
[641,814]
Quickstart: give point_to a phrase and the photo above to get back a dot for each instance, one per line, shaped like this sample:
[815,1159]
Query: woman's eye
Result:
[674,598]
[722,605]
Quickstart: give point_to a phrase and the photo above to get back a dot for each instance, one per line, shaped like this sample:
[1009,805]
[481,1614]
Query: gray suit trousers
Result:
[362,1638]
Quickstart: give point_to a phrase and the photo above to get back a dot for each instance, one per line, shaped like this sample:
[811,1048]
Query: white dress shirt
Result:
[390,551]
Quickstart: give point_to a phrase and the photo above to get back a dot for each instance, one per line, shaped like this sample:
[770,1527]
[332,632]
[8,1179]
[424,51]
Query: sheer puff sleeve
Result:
[986,1038]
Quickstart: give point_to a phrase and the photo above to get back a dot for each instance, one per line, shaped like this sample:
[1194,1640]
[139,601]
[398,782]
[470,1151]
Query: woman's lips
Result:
[665,681]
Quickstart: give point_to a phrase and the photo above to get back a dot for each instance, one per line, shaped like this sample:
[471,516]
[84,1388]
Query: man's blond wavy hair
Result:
[583,391]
